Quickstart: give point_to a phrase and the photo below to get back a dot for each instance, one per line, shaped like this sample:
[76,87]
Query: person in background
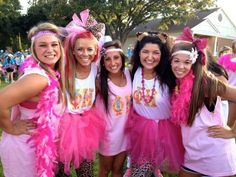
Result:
[2,72]
[225,50]
[9,66]
[82,126]
[27,146]
[196,106]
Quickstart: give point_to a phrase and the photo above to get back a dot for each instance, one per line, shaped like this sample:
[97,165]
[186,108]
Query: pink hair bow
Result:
[200,43]
[85,23]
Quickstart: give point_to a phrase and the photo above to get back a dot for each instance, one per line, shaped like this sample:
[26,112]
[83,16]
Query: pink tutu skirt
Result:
[79,137]
[154,141]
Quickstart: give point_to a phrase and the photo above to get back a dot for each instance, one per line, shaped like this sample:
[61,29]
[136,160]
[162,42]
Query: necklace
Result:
[147,98]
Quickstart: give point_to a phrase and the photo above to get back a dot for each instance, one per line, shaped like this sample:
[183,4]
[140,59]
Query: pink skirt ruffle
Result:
[156,142]
[80,135]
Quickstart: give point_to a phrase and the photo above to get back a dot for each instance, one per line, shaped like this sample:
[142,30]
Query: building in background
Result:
[213,24]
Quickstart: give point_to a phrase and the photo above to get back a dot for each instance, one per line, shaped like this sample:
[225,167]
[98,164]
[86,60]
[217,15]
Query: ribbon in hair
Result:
[199,43]
[86,22]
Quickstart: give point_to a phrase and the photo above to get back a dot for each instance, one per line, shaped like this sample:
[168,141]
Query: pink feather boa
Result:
[225,61]
[180,99]
[46,131]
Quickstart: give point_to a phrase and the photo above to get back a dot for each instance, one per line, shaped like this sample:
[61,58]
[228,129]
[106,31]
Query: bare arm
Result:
[218,131]
[229,94]
[24,89]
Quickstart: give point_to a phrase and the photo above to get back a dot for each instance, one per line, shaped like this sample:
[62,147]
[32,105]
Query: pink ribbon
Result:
[85,23]
[200,43]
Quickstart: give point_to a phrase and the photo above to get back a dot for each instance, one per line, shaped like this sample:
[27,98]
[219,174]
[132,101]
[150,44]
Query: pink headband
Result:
[192,55]
[42,33]
[114,50]
[104,51]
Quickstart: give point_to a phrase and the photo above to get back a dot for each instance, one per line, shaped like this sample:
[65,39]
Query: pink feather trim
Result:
[180,99]
[226,62]
[46,131]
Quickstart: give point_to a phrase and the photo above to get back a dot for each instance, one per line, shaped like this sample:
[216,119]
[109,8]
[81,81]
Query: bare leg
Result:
[105,165]
[118,163]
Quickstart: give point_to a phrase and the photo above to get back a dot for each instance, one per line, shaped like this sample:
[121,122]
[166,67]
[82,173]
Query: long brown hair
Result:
[205,85]
[103,76]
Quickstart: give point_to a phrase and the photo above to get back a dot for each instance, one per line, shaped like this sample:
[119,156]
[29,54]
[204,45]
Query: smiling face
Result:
[113,61]
[181,65]
[85,51]
[150,56]
[47,49]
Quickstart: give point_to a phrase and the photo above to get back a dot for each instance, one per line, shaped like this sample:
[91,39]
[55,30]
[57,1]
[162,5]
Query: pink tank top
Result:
[204,154]
[119,106]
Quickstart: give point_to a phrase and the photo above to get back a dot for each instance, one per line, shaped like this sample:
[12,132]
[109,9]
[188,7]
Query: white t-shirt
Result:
[85,93]
[159,107]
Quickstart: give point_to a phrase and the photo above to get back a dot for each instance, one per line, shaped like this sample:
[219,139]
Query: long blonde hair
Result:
[71,62]
[60,65]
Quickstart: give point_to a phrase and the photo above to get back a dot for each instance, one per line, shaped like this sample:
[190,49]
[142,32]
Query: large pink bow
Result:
[200,43]
[85,23]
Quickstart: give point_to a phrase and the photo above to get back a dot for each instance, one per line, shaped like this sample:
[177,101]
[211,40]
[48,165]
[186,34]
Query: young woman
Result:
[28,146]
[81,127]
[197,105]
[114,101]
[153,140]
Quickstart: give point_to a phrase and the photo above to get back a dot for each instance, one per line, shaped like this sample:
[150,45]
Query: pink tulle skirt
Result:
[156,142]
[80,135]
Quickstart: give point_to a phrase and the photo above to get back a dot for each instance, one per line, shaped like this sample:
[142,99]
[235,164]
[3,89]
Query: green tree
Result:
[122,16]
[9,13]
[56,11]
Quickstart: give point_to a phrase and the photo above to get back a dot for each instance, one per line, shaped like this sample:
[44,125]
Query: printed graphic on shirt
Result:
[146,99]
[119,105]
[83,99]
